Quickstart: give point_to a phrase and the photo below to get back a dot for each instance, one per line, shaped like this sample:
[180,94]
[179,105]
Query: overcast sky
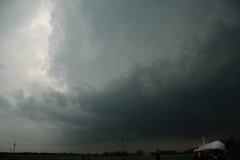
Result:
[77,75]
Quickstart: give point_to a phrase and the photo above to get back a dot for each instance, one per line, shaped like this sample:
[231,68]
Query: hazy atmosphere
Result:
[80,75]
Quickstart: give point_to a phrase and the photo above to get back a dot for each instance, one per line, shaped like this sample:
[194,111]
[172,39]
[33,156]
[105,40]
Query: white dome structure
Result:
[218,145]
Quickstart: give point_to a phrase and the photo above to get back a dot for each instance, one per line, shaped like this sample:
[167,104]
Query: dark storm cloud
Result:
[194,95]
[202,102]
[107,37]
[52,107]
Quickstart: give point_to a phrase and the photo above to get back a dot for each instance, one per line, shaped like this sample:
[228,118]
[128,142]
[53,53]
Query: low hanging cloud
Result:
[147,71]
[195,96]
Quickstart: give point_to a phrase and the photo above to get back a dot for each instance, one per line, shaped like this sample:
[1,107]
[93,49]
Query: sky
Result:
[78,75]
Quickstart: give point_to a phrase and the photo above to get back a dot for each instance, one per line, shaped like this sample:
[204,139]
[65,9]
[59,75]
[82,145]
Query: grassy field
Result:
[78,157]
[165,157]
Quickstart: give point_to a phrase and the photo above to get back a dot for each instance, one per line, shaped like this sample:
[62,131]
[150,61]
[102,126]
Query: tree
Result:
[140,152]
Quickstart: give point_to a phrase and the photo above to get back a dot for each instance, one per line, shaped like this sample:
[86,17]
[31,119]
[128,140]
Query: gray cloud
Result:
[196,96]
[162,96]
[107,38]
[13,13]
[148,71]
[3,102]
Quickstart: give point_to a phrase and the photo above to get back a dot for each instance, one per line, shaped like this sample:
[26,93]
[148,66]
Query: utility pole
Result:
[14,146]
[122,143]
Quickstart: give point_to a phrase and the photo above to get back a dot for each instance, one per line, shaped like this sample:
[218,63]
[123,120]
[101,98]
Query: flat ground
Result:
[78,157]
